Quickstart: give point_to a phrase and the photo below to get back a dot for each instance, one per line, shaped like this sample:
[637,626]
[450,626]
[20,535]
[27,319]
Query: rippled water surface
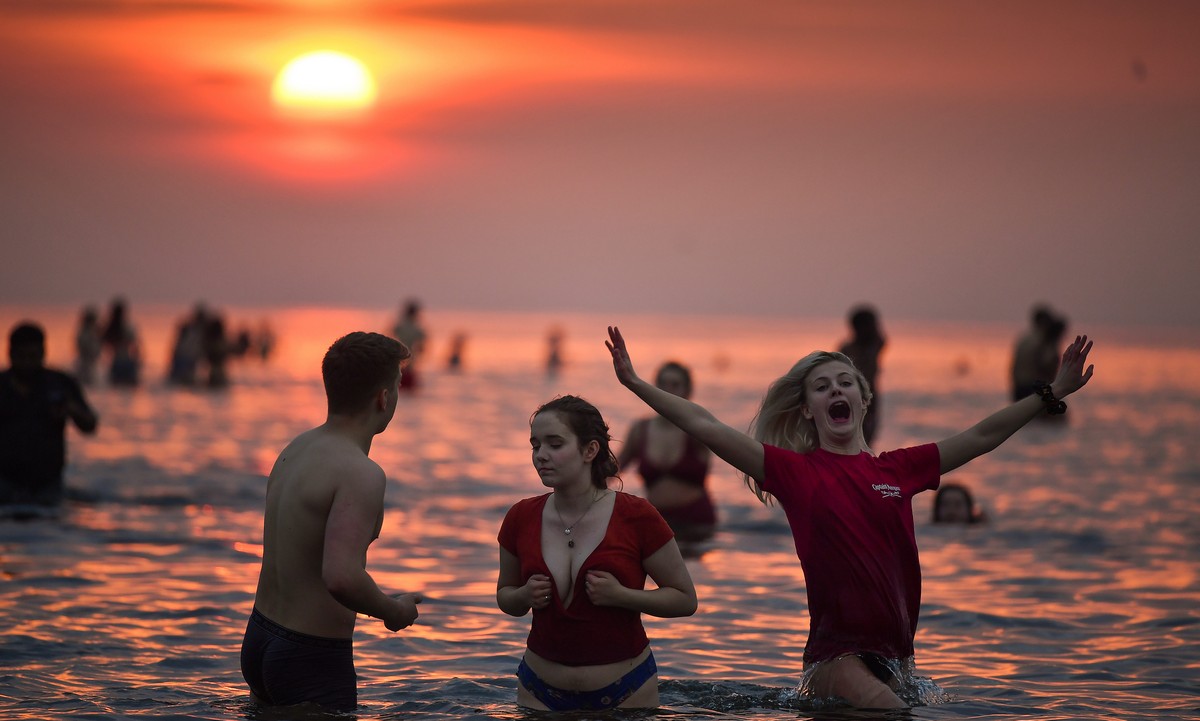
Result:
[1079,599]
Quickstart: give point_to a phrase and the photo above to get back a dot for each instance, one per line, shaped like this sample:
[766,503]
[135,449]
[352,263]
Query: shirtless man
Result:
[1035,357]
[35,404]
[324,508]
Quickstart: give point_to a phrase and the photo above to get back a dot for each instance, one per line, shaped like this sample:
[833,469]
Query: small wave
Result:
[729,697]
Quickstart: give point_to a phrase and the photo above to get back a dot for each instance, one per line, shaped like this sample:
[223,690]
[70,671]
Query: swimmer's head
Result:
[26,349]
[953,504]
[864,322]
[675,378]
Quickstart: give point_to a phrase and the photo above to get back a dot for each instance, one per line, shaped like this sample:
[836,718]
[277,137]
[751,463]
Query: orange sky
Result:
[942,160]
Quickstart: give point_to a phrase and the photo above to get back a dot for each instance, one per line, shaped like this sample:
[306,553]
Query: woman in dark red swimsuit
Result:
[673,465]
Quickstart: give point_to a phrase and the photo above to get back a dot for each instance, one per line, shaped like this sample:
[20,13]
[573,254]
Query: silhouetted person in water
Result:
[216,352]
[35,404]
[953,503]
[88,345]
[188,349]
[408,330]
[458,346]
[864,348]
[121,339]
[554,351]
[1035,357]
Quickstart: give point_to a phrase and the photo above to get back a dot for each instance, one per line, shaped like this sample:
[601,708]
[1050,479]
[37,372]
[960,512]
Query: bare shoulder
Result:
[319,460]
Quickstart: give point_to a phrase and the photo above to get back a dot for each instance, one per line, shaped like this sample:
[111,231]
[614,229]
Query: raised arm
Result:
[734,447]
[996,428]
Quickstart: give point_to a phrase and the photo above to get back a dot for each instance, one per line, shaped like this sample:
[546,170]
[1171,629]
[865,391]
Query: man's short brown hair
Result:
[356,366]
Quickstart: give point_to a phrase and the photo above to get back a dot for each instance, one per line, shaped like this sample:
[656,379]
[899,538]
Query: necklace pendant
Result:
[571,543]
[567,531]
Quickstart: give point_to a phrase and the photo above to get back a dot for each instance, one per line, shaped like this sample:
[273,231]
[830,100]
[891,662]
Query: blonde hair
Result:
[780,419]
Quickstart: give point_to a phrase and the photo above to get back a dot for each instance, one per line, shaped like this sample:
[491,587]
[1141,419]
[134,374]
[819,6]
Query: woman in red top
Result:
[850,511]
[579,557]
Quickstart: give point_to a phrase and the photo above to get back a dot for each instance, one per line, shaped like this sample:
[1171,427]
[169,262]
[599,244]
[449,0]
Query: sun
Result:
[324,81]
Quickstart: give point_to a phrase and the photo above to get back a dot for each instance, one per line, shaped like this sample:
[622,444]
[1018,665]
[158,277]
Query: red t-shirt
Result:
[851,518]
[584,634]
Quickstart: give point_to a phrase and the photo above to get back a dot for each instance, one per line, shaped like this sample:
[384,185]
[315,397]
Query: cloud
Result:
[127,8]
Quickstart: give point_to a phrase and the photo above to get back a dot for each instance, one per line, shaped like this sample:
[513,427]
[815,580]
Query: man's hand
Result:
[404,612]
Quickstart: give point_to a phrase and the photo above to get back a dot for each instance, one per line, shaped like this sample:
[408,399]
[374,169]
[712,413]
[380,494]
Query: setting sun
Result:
[324,81]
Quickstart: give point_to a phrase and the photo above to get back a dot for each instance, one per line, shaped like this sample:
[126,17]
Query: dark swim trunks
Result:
[283,667]
[609,697]
[879,666]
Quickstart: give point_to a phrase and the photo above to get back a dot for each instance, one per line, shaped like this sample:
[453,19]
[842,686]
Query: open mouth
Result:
[840,411]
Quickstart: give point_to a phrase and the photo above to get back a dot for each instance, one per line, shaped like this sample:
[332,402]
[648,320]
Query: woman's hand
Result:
[603,588]
[1071,373]
[622,365]
[539,590]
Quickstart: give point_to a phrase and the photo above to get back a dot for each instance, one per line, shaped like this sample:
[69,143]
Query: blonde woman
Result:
[850,511]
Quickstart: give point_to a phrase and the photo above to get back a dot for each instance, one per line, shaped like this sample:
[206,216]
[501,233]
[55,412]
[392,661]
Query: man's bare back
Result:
[324,508]
[321,484]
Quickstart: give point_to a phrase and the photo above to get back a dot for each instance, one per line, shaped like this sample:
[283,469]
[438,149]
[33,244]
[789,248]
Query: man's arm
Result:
[82,415]
[998,427]
[350,528]
[77,408]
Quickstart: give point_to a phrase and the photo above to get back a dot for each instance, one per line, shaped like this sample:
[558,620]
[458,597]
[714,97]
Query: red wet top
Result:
[851,519]
[584,634]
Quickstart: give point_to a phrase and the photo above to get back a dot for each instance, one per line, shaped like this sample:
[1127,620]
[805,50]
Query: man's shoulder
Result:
[330,455]
[61,377]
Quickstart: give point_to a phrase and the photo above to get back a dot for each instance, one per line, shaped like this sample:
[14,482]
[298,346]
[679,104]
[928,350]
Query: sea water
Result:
[1078,599]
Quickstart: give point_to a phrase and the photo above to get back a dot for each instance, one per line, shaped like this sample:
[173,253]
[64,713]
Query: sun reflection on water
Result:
[146,580]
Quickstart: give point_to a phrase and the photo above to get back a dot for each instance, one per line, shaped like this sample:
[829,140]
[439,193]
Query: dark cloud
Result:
[129,8]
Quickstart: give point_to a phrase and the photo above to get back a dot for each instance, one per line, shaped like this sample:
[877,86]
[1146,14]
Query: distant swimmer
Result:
[673,465]
[409,331]
[578,558]
[458,347]
[121,338]
[554,351]
[35,404]
[865,347]
[850,511]
[1035,355]
[88,346]
[324,508]
[953,503]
